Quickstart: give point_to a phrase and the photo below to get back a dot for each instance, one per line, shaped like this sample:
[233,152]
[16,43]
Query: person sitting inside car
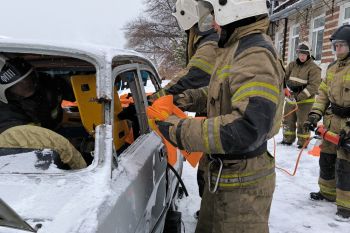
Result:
[30,109]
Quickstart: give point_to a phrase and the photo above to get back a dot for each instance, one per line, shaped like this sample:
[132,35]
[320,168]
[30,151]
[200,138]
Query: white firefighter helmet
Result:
[12,71]
[186,13]
[229,11]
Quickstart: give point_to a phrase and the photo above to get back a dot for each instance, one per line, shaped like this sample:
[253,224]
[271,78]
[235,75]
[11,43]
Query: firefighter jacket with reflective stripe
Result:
[303,79]
[244,96]
[198,70]
[335,88]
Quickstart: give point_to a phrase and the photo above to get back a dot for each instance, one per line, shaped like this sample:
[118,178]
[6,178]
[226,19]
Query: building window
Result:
[279,44]
[317,37]
[294,42]
[345,14]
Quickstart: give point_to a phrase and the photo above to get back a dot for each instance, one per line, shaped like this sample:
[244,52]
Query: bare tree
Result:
[157,35]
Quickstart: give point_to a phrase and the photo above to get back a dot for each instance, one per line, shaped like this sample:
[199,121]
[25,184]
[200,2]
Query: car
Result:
[128,185]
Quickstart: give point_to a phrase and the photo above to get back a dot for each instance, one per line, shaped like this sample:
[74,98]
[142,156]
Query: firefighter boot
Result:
[342,215]
[285,143]
[317,196]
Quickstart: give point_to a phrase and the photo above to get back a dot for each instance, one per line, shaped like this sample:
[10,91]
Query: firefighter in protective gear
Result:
[333,103]
[303,77]
[25,98]
[244,99]
[25,102]
[201,46]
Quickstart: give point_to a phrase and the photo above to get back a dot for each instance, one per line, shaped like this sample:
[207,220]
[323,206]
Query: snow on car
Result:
[127,185]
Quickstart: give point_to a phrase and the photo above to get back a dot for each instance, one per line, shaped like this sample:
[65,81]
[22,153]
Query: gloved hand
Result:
[287,92]
[344,138]
[156,95]
[183,101]
[311,122]
[168,129]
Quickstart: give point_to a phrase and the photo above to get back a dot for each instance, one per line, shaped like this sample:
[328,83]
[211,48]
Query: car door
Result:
[142,203]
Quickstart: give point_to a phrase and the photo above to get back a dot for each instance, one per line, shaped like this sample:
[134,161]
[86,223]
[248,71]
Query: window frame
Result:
[341,20]
[279,43]
[292,54]
[316,30]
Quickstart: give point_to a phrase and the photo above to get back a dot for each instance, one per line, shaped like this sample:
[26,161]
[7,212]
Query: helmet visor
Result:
[24,88]
[206,17]
[339,44]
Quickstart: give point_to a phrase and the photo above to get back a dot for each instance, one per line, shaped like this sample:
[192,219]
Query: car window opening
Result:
[50,113]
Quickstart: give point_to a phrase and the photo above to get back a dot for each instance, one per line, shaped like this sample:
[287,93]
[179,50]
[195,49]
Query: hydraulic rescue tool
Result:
[337,139]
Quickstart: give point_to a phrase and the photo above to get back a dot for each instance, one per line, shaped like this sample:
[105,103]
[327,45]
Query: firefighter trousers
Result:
[294,122]
[243,198]
[334,179]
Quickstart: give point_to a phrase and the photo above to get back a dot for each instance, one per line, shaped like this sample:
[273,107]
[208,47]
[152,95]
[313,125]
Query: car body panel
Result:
[128,193]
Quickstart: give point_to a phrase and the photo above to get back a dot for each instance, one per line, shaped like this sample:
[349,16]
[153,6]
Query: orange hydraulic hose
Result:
[290,112]
[293,110]
[298,159]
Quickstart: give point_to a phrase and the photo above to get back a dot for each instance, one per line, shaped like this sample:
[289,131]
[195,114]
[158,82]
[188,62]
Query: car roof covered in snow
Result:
[101,56]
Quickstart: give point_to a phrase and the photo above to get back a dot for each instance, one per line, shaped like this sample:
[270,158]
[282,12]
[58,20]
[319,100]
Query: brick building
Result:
[313,21]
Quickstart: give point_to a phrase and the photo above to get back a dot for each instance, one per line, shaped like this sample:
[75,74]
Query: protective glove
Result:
[168,129]
[157,95]
[311,122]
[183,101]
[344,138]
[287,92]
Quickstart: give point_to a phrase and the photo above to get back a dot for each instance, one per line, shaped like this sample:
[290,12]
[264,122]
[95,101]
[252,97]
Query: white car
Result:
[128,186]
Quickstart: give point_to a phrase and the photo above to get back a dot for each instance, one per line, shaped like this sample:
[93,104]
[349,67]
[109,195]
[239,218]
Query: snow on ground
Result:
[292,211]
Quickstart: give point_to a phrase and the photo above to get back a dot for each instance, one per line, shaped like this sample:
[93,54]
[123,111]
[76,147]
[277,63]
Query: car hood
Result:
[53,201]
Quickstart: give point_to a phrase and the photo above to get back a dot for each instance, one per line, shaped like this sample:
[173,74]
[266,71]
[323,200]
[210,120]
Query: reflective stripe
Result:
[311,100]
[265,90]
[205,91]
[235,180]
[306,136]
[330,76]
[323,86]
[306,91]
[327,190]
[213,135]
[218,145]
[343,203]
[290,102]
[225,71]
[205,135]
[299,80]
[161,93]
[202,65]
[211,130]
[346,77]
[289,133]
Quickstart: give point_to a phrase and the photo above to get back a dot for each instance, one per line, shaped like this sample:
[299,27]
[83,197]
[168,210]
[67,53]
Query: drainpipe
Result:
[284,38]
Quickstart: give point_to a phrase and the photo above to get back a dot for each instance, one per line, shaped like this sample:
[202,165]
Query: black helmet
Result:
[12,71]
[342,33]
[304,48]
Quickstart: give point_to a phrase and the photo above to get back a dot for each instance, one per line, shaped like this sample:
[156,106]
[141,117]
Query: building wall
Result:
[331,10]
